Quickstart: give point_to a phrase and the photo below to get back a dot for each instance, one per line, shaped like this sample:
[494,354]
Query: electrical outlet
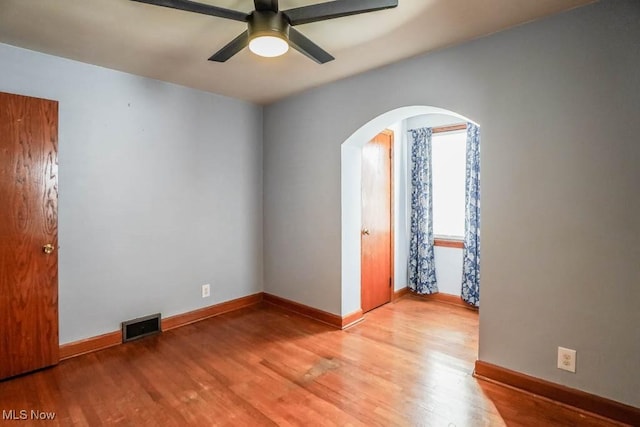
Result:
[206,290]
[567,359]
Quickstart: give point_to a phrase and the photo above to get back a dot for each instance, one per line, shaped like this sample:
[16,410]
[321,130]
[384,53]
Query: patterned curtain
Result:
[471,251]
[422,267]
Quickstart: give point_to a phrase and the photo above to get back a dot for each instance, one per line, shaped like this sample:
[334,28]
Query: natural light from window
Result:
[448,167]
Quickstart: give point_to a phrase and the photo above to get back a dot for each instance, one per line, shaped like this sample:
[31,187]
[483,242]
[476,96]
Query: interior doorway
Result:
[351,209]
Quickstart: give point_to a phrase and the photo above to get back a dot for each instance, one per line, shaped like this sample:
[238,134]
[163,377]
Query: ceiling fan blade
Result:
[205,9]
[335,9]
[235,46]
[262,5]
[308,48]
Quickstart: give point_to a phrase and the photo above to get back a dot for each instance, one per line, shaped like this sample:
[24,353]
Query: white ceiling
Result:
[173,45]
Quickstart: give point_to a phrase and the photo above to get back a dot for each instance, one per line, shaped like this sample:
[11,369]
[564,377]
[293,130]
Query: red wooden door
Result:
[28,229]
[376,236]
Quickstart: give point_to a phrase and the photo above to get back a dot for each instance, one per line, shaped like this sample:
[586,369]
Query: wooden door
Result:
[28,222]
[376,235]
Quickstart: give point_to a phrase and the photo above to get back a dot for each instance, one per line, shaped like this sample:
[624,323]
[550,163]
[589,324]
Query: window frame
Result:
[443,240]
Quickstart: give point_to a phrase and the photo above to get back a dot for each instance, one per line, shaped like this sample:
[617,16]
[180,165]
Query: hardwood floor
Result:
[408,363]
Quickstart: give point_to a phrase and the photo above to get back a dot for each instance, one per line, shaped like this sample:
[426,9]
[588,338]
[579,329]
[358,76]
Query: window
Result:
[448,168]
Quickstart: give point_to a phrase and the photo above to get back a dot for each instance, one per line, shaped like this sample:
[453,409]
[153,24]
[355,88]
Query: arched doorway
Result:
[351,212]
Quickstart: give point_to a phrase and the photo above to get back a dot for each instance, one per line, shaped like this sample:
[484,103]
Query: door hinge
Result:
[389,281]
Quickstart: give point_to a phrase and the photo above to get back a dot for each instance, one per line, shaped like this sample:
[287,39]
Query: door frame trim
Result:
[392,217]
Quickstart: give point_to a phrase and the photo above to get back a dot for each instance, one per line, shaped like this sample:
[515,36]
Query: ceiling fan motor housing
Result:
[268,23]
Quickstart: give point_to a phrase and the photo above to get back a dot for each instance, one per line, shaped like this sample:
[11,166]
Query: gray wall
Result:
[160,192]
[558,102]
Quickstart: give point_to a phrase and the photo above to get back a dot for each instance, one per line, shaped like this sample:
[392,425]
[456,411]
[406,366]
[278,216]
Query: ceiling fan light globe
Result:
[268,46]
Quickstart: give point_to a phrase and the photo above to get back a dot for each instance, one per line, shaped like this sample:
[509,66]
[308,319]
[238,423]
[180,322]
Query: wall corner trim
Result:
[448,299]
[111,339]
[351,319]
[578,399]
[438,297]
[400,293]
[314,313]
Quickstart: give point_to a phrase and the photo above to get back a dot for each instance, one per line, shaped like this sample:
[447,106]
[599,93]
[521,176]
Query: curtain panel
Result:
[471,252]
[422,269]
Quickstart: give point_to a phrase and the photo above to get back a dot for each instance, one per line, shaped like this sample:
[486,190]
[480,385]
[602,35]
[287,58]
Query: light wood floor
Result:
[408,363]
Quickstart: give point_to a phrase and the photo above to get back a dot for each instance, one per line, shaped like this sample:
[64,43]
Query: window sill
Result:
[448,242]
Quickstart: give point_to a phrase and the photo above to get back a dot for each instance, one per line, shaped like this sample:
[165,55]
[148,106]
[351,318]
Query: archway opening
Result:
[351,209]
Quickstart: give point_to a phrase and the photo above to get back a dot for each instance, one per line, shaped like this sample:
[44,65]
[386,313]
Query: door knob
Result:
[365,231]
[48,248]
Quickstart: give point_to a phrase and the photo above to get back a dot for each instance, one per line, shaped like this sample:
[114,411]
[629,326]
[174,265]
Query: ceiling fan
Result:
[270,31]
